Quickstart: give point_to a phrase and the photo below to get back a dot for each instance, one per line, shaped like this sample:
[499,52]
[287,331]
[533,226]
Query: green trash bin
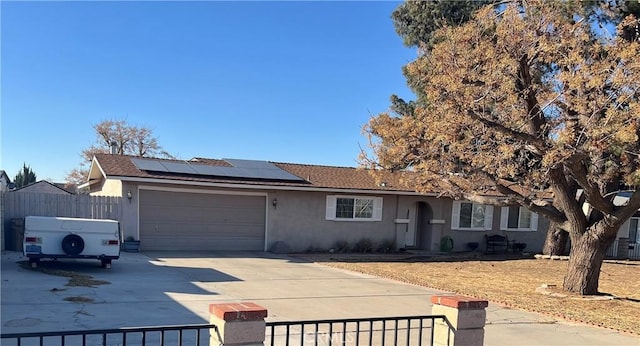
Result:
[446,244]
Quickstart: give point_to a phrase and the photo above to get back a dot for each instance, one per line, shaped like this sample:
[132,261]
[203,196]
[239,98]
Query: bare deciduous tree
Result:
[125,139]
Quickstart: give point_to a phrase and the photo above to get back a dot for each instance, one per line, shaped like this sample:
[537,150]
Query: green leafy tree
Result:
[120,137]
[25,177]
[416,21]
[525,100]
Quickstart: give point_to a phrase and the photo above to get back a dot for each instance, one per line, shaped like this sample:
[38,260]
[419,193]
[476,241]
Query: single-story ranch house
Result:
[229,204]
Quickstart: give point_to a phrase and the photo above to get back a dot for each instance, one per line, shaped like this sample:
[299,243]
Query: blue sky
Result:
[278,81]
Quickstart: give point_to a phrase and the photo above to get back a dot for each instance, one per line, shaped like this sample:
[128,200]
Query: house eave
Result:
[267,186]
[88,184]
[93,178]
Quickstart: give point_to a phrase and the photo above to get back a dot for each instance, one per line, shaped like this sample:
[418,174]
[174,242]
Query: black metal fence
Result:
[392,331]
[190,335]
[412,330]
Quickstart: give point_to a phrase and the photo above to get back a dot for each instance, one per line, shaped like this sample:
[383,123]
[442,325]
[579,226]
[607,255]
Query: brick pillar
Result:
[238,324]
[466,318]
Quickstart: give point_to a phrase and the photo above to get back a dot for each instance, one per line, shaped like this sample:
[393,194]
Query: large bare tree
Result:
[123,139]
[526,101]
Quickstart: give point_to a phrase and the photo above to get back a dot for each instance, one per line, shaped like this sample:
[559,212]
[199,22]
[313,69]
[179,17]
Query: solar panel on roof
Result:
[262,169]
[178,167]
[250,169]
[210,170]
[148,165]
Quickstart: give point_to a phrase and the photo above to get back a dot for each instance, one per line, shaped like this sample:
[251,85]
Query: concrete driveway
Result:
[177,288]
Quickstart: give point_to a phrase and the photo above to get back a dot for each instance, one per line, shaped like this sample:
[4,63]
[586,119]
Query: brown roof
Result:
[312,176]
[346,177]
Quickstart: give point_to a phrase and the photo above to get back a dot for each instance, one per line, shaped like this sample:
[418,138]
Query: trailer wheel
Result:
[72,244]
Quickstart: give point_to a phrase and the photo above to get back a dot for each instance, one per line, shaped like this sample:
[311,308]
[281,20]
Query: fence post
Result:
[466,319]
[238,324]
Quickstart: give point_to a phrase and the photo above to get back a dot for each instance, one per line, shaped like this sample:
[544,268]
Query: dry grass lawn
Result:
[512,282]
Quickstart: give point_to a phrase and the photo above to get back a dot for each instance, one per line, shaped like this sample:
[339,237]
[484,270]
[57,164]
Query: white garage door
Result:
[199,221]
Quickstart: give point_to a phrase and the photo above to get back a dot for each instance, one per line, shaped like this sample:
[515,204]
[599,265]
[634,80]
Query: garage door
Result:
[198,221]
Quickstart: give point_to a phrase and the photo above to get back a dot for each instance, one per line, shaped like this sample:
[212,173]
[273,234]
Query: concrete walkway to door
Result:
[176,288]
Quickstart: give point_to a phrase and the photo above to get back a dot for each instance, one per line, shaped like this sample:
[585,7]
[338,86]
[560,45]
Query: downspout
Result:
[395,225]
[397,205]
[406,231]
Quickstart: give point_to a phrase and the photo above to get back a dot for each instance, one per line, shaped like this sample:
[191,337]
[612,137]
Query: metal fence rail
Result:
[189,335]
[410,330]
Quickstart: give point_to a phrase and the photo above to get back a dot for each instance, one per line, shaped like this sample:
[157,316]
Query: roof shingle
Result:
[313,175]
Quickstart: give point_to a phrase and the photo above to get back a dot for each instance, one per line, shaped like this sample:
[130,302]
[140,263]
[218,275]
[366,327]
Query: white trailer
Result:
[64,237]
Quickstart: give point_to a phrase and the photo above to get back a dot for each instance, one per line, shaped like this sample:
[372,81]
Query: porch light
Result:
[275,202]
[129,196]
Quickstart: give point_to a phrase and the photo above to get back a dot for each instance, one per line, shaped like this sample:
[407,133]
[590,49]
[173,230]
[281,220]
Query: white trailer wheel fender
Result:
[72,244]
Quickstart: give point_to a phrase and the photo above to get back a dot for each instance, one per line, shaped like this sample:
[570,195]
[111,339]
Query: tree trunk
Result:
[556,241]
[583,271]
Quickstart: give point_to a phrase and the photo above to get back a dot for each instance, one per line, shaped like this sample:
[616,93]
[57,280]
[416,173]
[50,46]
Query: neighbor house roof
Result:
[311,176]
[42,186]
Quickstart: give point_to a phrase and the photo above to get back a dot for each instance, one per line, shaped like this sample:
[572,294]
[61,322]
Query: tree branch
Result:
[579,172]
[565,195]
[536,145]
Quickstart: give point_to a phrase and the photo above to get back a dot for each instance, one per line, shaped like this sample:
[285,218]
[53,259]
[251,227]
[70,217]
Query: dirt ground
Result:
[513,282]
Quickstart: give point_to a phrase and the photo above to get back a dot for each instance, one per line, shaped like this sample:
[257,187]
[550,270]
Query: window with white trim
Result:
[471,216]
[354,208]
[517,218]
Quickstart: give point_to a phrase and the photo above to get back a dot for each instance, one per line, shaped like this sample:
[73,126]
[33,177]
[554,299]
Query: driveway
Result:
[177,288]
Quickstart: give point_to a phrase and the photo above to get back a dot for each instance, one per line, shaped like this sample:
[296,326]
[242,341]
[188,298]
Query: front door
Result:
[423,226]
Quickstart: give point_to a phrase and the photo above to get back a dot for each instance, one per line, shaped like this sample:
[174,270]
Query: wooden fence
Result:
[20,204]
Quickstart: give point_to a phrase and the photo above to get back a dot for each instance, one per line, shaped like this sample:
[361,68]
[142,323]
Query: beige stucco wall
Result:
[113,187]
[109,187]
[129,215]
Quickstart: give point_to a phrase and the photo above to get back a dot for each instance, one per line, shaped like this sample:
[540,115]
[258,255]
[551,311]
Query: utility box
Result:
[17,231]
[13,233]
